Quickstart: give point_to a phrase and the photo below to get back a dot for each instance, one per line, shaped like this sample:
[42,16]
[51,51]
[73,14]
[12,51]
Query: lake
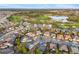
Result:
[59,18]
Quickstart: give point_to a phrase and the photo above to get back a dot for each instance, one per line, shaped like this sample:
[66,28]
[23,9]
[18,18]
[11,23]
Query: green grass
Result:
[42,17]
[70,25]
[15,19]
[73,18]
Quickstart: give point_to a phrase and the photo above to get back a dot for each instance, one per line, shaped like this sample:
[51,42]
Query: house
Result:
[40,25]
[48,26]
[57,30]
[26,24]
[1,44]
[63,48]
[44,25]
[77,29]
[24,39]
[35,38]
[75,50]
[53,48]
[8,39]
[53,35]
[35,25]
[30,34]
[42,46]
[47,34]
[8,44]
[67,37]
[75,38]
[60,36]
[38,32]
[16,33]
[52,45]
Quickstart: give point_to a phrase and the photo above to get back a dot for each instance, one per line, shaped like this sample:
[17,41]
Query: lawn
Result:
[15,19]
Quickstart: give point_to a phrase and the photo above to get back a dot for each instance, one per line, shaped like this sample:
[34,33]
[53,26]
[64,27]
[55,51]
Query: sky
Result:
[40,6]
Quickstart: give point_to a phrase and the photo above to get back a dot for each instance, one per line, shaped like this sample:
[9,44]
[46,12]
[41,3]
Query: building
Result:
[63,47]
[47,34]
[60,36]
[75,50]
[38,32]
[67,37]
[53,35]
[24,39]
[52,45]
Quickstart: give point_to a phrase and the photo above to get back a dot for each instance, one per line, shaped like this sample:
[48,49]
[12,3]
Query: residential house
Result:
[30,34]
[52,45]
[63,48]
[49,26]
[53,35]
[38,32]
[75,50]
[60,36]
[24,39]
[47,34]
[68,37]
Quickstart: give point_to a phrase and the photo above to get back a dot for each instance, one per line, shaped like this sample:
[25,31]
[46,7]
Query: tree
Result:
[18,45]
[24,49]
[47,50]
[57,50]
[37,50]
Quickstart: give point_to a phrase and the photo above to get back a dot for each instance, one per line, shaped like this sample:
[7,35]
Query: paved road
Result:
[7,51]
[11,32]
[66,43]
[60,42]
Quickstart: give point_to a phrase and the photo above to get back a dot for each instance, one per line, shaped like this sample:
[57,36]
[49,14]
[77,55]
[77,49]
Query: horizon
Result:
[39,6]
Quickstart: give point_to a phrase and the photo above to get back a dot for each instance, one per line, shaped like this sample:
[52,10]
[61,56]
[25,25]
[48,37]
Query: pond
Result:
[59,18]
